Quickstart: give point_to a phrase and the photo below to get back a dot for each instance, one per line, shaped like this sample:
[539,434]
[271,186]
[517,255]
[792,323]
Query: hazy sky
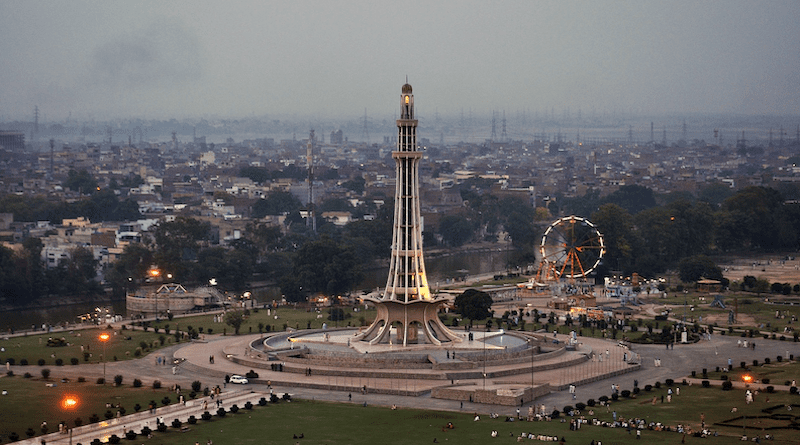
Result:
[161,59]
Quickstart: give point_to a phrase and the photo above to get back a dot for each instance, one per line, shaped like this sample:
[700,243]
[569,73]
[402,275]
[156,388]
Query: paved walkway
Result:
[675,363]
[135,422]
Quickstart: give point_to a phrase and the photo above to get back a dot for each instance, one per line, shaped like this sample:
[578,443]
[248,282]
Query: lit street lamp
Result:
[104,338]
[69,403]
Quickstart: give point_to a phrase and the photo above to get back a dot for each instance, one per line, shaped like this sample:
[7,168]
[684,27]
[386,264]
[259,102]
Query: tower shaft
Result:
[406,301]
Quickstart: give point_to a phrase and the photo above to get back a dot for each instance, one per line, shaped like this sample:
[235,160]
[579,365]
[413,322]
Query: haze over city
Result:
[98,60]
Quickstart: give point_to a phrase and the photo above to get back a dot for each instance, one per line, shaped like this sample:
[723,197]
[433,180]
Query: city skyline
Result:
[101,60]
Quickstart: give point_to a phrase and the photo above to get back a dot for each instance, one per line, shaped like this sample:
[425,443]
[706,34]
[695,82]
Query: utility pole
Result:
[311,221]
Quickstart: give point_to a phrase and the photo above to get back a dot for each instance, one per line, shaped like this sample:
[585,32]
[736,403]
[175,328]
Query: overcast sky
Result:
[162,59]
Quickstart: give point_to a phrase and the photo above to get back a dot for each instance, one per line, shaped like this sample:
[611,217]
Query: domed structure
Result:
[407,89]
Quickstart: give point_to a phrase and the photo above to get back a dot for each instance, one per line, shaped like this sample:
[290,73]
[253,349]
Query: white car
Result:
[238,379]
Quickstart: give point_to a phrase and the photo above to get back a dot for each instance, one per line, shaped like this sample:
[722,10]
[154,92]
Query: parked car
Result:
[238,379]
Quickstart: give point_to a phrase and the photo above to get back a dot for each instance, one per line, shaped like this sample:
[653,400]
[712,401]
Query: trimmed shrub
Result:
[286,396]
[146,431]
[555,414]
[114,439]
[755,362]
[723,377]
[770,389]
[196,386]
[13,437]
[669,382]
[108,414]
[78,421]
[626,393]
[603,399]
[221,412]
[40,362]
[705,384]
[74,361]
[248,405]
[767,361]
[165,401]
[137,383]
[192,420]
[251,374]
[765,381]
[234,408]
[567,409]
[137,408]
[206,416]
[30,432]
[591,402]
[59,362]
[156,384]
[636,390]
[27,375]
[23,362]
[262,402]
[101,381]
[81,379]
[792,390]
[45,373]
[162,427]
[648,388]
[176,423]
[658,385]
[118,380]
[130,435]
[742,365]
[615,396]
[94,418]
[727,385]
[580,406]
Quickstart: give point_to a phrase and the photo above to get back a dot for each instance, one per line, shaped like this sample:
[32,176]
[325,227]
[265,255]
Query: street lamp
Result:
[104,338]
[69,403]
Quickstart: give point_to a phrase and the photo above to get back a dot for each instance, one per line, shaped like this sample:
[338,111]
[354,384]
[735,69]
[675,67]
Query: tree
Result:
[276,203]
[692,269]
[455,230]
[178,241]
[234,319]
[633,198]
[324,266]
[81,182]
[616,225]
[474,304]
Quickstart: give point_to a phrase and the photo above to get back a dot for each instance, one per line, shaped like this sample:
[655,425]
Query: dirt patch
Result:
[775,269]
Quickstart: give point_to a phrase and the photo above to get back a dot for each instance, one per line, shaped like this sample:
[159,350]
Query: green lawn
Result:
[121,345]
[333,423]
[30,401]
[287,316]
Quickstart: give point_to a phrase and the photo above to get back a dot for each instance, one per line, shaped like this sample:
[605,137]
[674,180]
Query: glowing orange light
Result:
[104,336]
[154,272]
[747,378]
[69,402]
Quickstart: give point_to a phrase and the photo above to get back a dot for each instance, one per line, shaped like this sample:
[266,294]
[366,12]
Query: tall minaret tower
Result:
[407,302]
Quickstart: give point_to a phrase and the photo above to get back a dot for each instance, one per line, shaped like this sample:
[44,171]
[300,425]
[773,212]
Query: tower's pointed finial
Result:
[406,78]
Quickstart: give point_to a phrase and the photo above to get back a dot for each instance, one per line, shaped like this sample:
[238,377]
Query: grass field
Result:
[29,401]
[286,316]
[330,423]
[121,345]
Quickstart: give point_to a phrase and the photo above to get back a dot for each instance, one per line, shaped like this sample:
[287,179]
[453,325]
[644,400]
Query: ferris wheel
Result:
[571,247]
